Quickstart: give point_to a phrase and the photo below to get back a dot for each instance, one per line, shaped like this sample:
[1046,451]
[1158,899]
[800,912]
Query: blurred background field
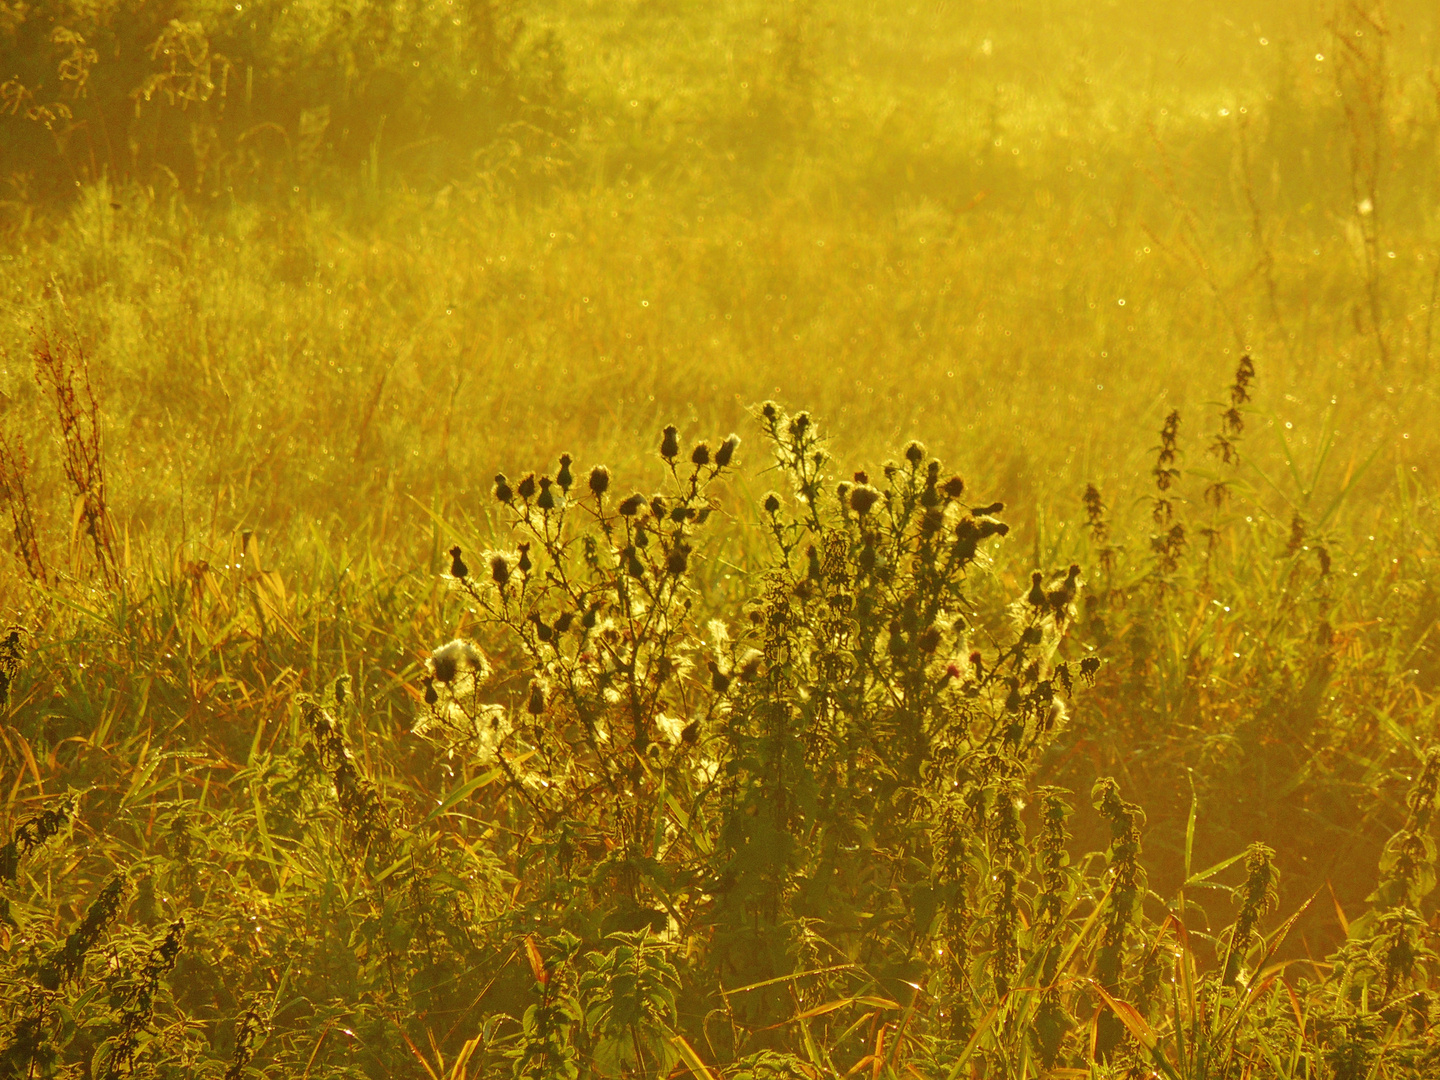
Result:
[334,265]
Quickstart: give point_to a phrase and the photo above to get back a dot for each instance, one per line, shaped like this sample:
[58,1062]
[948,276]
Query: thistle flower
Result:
[564,477]
[523,563]
[458,570]
[678,561]
[953,488]
[526,488]
[700,456]
[546,501]
[772,503]
[670,442]
[599,480]
[502,490]
[726,453]
[1036,597]
[863,498]
[915,452]
[456,658]
[499,569]
[631,504]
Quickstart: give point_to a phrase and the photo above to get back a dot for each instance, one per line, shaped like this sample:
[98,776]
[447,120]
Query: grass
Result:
[1026,237]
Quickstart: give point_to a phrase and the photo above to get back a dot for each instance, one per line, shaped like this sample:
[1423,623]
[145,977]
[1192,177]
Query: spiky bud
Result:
[726,453]
[701,454]
[863,498]
[499,570]
[599,480]
[670,442]
[458,569]
[502,489]
[564,477]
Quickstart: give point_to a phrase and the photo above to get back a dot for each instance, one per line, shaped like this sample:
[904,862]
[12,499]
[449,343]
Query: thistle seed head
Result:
[863,498]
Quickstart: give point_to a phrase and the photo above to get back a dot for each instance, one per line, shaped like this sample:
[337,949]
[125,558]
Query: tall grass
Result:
[1165,287]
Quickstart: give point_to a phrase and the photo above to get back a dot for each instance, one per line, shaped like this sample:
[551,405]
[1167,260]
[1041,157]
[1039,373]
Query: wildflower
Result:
[523,563]
[772,503]
[502,489]
[458,570]
[1036,598]
[678,561]
[726,453]
[719,681]
[915,452]
[526,488]
[499,569]
[564,477]
[546,501]
[456,658]
[701,454]
[988,511]
[863,498]
[953,488]
[670,443]
[599,480]
[631,504]
[536,703]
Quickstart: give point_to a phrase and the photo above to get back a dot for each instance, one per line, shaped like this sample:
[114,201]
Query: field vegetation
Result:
[747,540]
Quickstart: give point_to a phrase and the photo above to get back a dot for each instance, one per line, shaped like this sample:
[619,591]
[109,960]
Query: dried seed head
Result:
[953,488]
[499,569]
[772,503]
[599,480]
[770,410]
[1037,592]
[719,681]
[632,504]
[799,424]
[455,658]
[670,442]
[526,488]
[546,501]
[915,452]
[458,569]
[988,511]
[932,521]
[678,561]
[701,454]
[536,703]
[564,477]
[658,506]
[726,453]
[563,622]
[523,564]
[861,476]
[502,489]
[431,697]
[928,639]
[863,498]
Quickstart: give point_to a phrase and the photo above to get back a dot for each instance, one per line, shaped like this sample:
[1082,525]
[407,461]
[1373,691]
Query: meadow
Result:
[750,540]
